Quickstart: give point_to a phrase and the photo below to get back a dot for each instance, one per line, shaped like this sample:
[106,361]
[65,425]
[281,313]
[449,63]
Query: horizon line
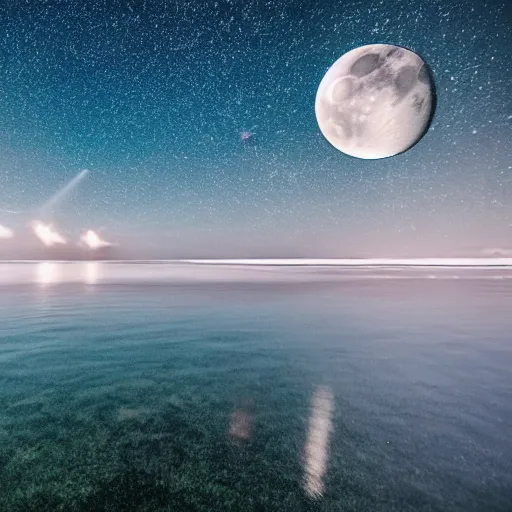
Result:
[341,262]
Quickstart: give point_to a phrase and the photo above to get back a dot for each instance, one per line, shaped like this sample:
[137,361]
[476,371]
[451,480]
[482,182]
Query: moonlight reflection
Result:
[319,431]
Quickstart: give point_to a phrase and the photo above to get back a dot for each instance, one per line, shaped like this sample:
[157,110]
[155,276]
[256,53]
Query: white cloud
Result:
[5,232]
[92,240]
[47,234]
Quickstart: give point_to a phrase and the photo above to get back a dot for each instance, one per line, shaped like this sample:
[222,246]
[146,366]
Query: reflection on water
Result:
[320,427]
[187,272]
[47,272]
[51,273]
[276,389]
[240,425]
[92,272]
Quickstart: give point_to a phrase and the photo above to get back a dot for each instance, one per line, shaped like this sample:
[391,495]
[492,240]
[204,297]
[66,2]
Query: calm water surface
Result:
[158,388]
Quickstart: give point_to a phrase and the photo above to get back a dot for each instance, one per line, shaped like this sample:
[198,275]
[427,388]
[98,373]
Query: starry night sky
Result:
[152,98]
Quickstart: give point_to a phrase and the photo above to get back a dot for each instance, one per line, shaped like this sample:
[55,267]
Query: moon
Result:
[375,101]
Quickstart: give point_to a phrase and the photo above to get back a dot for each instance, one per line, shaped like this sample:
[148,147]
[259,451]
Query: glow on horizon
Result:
[47,234]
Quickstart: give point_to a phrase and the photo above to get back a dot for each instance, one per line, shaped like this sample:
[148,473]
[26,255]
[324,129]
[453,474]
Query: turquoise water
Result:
[262,393]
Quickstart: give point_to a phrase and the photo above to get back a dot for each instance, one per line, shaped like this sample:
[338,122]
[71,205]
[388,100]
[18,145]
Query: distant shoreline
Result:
[304,262]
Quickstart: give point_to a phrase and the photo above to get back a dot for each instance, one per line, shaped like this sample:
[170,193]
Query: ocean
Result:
[168,387]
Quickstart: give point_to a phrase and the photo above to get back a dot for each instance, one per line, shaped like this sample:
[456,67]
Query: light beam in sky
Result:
[63,192]
[93,240]
[47,234]
[5,232]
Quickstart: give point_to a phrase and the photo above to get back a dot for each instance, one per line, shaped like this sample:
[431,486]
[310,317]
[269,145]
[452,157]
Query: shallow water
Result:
[151,387]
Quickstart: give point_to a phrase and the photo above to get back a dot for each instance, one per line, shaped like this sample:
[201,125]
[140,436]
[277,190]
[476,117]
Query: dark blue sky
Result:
[152,98]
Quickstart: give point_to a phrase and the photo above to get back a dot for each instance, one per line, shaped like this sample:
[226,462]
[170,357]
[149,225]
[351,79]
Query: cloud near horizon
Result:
[6,232]
[93,241]
[47,234]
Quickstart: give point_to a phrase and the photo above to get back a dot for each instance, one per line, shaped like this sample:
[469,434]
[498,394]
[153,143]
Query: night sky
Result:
[152,97]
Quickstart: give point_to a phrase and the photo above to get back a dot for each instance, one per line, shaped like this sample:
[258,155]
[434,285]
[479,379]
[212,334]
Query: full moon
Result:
[375,101]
